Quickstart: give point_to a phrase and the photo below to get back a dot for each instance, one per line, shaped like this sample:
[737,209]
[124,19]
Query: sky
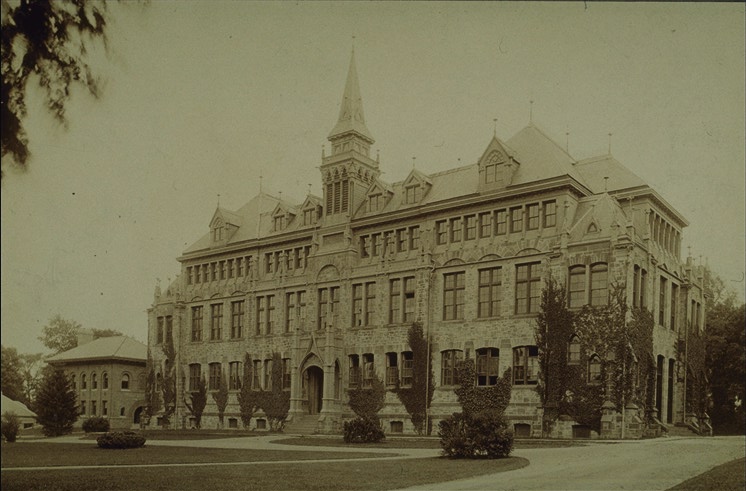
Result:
[202,98]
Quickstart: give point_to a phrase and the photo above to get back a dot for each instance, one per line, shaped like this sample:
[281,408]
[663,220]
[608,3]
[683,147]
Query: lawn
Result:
[350,475]
[399,443]
[186,434]
[726,477]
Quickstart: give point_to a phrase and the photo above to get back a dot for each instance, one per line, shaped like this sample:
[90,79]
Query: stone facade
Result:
[333,283]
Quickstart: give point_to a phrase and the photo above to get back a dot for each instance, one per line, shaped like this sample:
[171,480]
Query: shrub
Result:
[96,425]
[10,426]
[481,435]
[363,430]
[121,439]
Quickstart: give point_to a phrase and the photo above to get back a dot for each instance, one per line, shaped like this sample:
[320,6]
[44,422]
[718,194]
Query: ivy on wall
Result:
[197,401]
[622,341]
[367,402]
[275,401]
[417,398]
[169,380]
[248,401]
[221,398]
[475,400]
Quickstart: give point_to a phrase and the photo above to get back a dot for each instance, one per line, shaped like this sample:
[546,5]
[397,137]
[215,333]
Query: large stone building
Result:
[333,283]
[108,375]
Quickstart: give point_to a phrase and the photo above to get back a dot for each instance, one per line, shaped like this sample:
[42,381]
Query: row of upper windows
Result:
[282,220]
[218,270]
[385,243]
[124,382]
[665,234]
[261,375]
[287,260]
[497,222]
[94,409]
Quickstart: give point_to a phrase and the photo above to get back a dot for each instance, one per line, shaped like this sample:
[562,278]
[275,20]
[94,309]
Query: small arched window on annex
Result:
[599,284]
[125,383]
[488,366]
[573,351]
[94,380]
[594,369]
[105,380]
[83,381]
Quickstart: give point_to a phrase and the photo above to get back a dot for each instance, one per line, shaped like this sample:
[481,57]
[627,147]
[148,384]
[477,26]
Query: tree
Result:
[31,365]
[11,375]
[49,40]
[169,381]
[248,400]
[275,402]
[419,395]
[152,394]
[56,406]
[105,333]
[221,398]
[366,402]
[198,401]
[60,334]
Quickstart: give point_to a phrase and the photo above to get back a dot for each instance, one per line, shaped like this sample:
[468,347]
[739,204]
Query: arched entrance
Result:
[315,380]
[138,414]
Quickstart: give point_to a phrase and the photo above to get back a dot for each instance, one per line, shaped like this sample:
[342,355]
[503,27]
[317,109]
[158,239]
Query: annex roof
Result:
[8,405]
[108,348]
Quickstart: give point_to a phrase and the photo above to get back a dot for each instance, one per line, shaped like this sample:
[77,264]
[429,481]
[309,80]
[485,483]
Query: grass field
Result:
[726,477]
[352,474]
[404,443]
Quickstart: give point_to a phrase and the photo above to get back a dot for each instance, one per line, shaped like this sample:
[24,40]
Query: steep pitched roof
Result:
[8,405]
[351,116]
[109,348]
[595,169]
[540,157]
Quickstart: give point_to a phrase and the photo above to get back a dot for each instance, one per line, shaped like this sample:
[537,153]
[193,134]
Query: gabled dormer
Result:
[282,216]
[378,196]
[496,166]
[311,210]
[223,225]
[415,187]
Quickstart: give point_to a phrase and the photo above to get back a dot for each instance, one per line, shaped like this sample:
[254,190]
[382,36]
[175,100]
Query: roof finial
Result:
[353,43]
[218,200]
[378,156]
[413,159]
[567,141]
[689,248]
[495,127]
[531,111]
[610,142]
[260,182]
[606,184]
[280,192]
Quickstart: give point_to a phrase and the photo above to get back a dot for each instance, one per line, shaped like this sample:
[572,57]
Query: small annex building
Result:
[108,375]
[26,416]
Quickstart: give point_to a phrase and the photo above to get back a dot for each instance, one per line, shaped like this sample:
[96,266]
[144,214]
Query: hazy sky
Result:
[202,97]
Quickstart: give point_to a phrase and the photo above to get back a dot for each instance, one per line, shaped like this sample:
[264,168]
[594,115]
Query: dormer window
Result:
[279,222]
[376,202]
[490,167]
[217,231]
[309,217]
[413,194]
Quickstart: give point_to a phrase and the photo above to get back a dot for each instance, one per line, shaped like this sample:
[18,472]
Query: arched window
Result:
[83,381]
[576,291]
[594,369]
[599,284]
[488,366]
[126,381]
[94,381]
[105,380]
[573,350]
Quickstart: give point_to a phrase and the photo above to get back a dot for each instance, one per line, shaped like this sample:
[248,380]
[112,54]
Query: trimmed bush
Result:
[481,435]
[363,430]
[10,426]
[96,425]
[121,439]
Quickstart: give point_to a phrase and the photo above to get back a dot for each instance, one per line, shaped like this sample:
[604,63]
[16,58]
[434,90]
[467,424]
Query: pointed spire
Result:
[351,115]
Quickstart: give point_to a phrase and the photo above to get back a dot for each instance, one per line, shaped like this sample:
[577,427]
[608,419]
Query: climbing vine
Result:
[417,398]
[169,380]
[220,397]
[248,401]
[475,400]
[367,402]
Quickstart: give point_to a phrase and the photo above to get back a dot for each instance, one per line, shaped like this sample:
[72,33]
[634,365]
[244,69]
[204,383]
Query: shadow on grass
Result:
[727,477]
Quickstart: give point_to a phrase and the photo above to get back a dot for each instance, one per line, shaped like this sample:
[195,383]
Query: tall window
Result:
[485,224]
[159,331]
[169,329]
[125,381]
[409,302]
[83,381]
[216,322]
[501,222]
[449,362]
[265,314]
[270,314]
[599,284]
[576,292]
[636,286]
[527,288]
[354,372]
[286,374]
[234,379]
[328,307]
[662,302]
[197,323]
[674,302]
[441,232]
[195,374]
[550,214]
[105,380]
[573,351]
[471,227]
[643,288]
[594,369]
[516,219]
[261,313]
[214,376]
[363,303]
[368,370]
[256,376]
[407,370]
[490,282]
[453,295]
[392,369]
[488,366]
[414,238]
[237,311]
[532,211]
[94,380]
[525,365]
[395,301]
[295,310]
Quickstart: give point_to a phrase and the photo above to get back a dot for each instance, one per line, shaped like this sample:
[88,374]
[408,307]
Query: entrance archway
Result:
[315,389]
[138,414]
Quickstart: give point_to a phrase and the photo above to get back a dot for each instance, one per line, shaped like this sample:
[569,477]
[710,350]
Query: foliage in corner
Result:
[478,435]
[418,397]
[366,402]
[197,401]
[56,405]
[10,426]
[153,402]
[220,397]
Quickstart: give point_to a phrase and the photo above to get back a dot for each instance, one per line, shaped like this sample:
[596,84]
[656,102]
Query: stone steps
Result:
[303,424]
[684,431]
